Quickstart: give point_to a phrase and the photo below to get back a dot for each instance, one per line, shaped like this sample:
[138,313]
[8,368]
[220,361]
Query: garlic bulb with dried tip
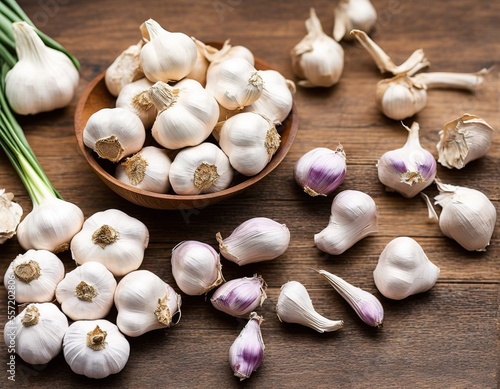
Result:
[216,56]
[353,14]
[10,216]
[136,98]
[125,69]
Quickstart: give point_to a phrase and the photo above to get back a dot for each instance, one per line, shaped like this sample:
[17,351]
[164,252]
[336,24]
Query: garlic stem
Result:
[31,316]
[436,80]
[96,339]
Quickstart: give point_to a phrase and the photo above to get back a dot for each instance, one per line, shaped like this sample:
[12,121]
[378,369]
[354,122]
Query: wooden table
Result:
[447,337]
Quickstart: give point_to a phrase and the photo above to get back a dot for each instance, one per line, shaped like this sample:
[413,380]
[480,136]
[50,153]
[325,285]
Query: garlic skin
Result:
[95,348]
[240,296]
[196,267]
[167,56]
[295,306]
[114,133]
[134,96]
[255,240]
[147,169]
[462,140]
[200,169]
[247,351]
[10,216]
[36,274]
[124,70]
[317,59]
[354,215]
[353,14]
[43,79]
[403,269]
[145,303]
[249,140]
[37,333]
[86,293]
[468,216]
[113,238]
[321,170]
[410,169]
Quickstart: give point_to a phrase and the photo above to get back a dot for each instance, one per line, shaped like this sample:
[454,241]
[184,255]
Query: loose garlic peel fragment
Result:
[125,69]
[353,14]
[10,216]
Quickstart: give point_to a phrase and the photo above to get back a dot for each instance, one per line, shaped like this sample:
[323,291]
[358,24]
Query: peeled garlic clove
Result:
[462,140]
[468,216]
[321,170]
[353,14]
[125,69]
[135,97]
[255,240]
[295,306]
[410,169]
[10,216]
[403,269]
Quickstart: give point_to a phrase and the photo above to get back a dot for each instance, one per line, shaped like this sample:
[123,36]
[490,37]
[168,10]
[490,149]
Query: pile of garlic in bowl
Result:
[185,123]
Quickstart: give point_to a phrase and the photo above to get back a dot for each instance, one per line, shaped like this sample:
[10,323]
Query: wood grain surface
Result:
[447,337]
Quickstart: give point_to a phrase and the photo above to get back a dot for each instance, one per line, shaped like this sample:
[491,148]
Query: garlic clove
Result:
[125,69]
[353,14]
[134,96]
[10,216]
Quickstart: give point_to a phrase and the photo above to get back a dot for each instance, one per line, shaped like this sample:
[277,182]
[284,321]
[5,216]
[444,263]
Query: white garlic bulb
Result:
[10,216]
[125,69]
[36,274]
[114,133]
[145,303]
[227,51]
[95,348]
[462,140]
[113,238]
[135,97]
[354,216]
[353,14]
[86,293]
[255,240]
[317,59]
[403,269]
[249,140]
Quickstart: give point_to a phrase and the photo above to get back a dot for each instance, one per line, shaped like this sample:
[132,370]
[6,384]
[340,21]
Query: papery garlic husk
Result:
[113,238]
[114,133]
[35,275]
[196,267]
[43,79]
[167,56]
[354,215]
[468,216]
[240,296]
[247,351]
[255,240]
[462,140]
[200,169]
[148,170]
[86,293]
[187,114]
[145,303]
[10,215]
[95,348]
[135,97]
[403,269]
[321,170]
[36,334]
[125,69]
[353,14]
[317,59]
[249,140]
[295,306]
[407,170]
[365,304]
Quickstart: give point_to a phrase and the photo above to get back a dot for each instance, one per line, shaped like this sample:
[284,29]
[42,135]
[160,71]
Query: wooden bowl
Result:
[96,96]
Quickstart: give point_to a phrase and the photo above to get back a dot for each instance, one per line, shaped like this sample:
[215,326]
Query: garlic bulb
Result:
[227,51]
[468,216]
[43,79]
[187,114]
[147,169]
[354,216]
[199,70]
[10,216]
[95,348]
[145,303]
[113,238]
[403,269]
[255,240]
[321,170]
[353,14]
[167,56]
[135,97]
[86,293]
[36,274]
[196,267]
[250,141]
[36,334]
[317,59]
[409,169]
[125,69]
[295,306]
[200,169]
[114,133]
[462,140]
